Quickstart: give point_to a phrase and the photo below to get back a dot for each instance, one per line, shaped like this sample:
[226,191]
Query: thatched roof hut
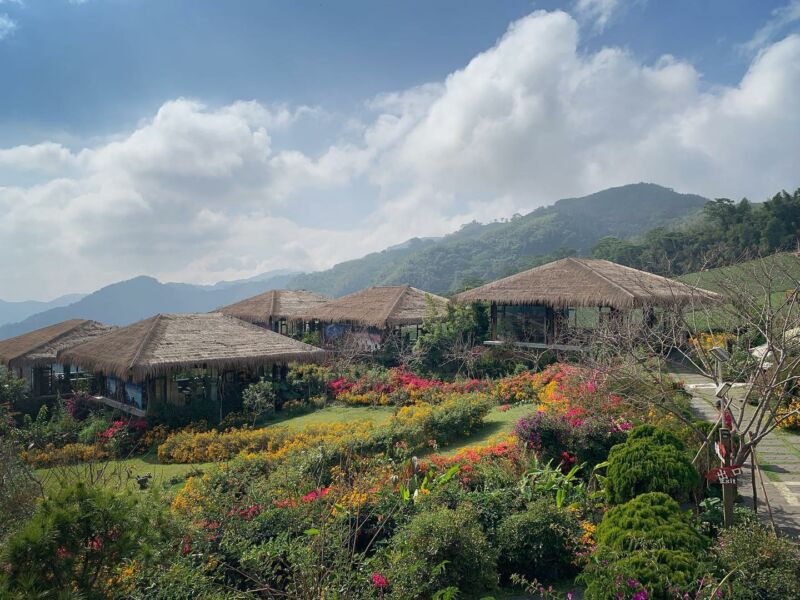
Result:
[586,282]
[381,307]
[274,305]
[163,343]
[41,347]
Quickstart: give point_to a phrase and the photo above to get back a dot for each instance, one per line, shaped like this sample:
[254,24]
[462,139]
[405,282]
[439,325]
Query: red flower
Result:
[95,543]
[379,581]
[62,552]
[186,548]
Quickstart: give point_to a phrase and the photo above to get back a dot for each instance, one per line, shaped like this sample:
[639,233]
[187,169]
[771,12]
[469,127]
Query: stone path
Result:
[778,456]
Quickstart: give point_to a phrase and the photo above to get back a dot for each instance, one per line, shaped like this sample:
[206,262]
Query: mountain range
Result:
[474,254]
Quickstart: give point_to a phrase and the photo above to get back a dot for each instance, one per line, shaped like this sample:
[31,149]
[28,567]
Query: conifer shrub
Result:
[646,546]
[539,543]
[652,520]
[441,549]
[650,460]
[645,575]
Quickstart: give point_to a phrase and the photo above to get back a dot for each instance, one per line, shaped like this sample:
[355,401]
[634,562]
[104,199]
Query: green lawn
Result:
[338,414]
[497,423]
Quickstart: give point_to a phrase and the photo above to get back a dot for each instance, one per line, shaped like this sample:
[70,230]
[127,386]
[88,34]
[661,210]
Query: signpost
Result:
[726,474]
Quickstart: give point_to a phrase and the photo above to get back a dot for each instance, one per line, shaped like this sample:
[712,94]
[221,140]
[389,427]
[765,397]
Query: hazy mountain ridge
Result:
[485,252]
[141,297]
[11,312]
[440,265]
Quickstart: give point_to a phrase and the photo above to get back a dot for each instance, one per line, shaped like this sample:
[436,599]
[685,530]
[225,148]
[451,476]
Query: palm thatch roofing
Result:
[274,305]
[587,282]
[164,343]
[381,307]
[41,347]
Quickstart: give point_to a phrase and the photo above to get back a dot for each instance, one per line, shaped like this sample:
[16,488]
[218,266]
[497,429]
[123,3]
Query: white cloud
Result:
[7,26]
[781,18]
[200,194]
[597,12]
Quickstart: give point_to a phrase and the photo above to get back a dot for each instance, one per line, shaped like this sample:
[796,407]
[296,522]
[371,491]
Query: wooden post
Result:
[494,320]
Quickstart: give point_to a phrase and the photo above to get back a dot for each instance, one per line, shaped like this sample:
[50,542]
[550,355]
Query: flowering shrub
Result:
[68,454]
[212,446]
[707,341]
[569,437]
[786,419]
[397,387]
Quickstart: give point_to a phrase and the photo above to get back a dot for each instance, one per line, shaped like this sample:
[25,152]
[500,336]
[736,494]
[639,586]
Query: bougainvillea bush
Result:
[569,438]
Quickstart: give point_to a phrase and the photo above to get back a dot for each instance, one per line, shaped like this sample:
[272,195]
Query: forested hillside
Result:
[478,252]
[728,233]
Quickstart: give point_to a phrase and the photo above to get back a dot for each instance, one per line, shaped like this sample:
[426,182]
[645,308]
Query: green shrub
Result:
[764,566]
[650,574]
[258,399]
[74,541]
[440,549]
[539,543]
[651,520]
[650,460]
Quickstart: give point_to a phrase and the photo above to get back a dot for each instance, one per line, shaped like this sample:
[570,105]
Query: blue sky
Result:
[199,140]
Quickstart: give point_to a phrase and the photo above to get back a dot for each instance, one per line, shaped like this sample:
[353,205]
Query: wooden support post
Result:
[493,313]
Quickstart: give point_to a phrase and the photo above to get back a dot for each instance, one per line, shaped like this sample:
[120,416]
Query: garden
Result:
[376,482]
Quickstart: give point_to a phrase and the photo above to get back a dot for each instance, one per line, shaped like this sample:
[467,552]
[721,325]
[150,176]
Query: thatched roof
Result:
[583,282]
[163,343]
[40,347]
[274,305]
[380,306]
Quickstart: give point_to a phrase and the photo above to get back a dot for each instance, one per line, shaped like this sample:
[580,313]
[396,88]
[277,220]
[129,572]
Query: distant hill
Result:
[11,312]
[128,301]
[480,253]
[782,270]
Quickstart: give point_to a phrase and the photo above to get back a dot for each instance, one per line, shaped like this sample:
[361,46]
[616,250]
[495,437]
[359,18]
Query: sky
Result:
[199,140]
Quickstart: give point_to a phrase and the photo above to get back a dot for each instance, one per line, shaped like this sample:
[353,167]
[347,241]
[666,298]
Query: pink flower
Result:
[186,548]
[379,581]
[62,552]
[95,543]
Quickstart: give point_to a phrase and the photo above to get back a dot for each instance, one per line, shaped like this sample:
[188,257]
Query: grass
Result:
[338,414]
[497,423]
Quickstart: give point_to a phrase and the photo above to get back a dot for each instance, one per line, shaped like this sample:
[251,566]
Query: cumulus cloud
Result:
[198,193]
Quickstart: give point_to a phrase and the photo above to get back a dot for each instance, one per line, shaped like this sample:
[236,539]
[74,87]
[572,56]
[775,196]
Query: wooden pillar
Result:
[493,314]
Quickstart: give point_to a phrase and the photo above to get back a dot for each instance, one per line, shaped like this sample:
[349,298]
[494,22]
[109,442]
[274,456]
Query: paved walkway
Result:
[778,456]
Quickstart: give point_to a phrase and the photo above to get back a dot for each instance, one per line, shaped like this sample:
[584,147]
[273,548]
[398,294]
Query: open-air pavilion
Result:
[536,307]
[377,312]
[33,356]
[177,359]
[278,310]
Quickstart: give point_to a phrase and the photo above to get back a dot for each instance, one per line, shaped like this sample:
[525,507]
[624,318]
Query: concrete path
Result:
[778,455]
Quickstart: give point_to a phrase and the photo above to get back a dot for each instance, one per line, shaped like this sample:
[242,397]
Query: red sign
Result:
[724,474]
